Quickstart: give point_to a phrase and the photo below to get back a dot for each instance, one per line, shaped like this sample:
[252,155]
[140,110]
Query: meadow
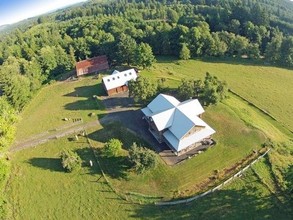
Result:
[38,178]
[268,87]
[60,100]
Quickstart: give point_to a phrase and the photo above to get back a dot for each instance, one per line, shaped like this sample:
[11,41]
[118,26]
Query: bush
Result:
[142,158]
[112,148]
[70,161]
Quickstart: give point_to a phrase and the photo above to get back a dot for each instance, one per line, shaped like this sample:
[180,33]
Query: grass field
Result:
[268,87]
[58,101]
[240,130]
[39,188]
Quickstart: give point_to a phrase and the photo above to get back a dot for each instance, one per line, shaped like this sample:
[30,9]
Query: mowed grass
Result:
[38,178]
[39,188]
[268,87]
[244,198]
[235,140]
[58,101]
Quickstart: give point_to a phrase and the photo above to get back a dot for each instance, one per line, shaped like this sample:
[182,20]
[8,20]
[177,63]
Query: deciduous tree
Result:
[142,90]
[144,56]
[112,148]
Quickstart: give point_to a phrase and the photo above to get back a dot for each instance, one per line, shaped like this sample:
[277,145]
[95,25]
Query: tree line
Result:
[127,30]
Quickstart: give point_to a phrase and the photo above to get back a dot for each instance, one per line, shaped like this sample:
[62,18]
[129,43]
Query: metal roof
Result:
[178,119]
[118,79]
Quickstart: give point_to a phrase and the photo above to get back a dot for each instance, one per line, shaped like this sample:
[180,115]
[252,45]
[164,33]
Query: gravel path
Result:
[55,135]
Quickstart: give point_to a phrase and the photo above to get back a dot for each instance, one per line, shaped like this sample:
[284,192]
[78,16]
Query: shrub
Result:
[70,161]
[112,148]
[142,158]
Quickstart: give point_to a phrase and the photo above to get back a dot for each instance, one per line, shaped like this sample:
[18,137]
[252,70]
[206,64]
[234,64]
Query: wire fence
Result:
[238,174]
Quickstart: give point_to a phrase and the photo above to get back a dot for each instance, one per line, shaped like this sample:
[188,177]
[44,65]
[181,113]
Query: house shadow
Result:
[224,204]
[122,102]
[53,164]
[115,129]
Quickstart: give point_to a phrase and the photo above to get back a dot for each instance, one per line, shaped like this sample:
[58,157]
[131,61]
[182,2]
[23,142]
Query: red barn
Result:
[92,65]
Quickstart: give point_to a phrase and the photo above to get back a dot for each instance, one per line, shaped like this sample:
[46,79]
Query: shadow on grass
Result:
[225,204]
[115,167]
[225,59]
[114,102]
[89,104]
[115,129]
[87,91]
[86,155]
[53,164]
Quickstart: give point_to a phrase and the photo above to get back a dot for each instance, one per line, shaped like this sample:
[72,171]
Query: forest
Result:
[36,51]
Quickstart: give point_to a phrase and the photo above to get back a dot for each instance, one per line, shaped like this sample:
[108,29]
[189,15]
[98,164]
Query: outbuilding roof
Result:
[118,79]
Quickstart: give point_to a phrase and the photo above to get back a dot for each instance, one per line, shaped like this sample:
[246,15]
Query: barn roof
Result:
[118,79]
[91,62]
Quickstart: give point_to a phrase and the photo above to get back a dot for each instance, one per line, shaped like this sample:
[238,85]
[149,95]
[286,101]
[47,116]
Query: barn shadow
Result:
[53,164]
[88,104]
[87,91]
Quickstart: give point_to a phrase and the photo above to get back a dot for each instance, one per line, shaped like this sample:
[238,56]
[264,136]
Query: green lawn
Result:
[38,187]
[236,139]
[58,101]
[268,87]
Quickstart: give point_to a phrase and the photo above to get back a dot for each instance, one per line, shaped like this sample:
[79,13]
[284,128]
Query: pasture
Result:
[60,100]
[37,176]
[270,88]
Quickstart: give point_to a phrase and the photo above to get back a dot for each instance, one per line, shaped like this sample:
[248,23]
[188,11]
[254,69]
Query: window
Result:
[130,73]
[113,78]
[125,74]
[108,80]
[118,77]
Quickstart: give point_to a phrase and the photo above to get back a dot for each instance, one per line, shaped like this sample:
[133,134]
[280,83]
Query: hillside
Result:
[248,44]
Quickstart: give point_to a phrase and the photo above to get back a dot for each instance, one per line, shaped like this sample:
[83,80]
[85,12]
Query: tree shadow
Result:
[224,59]
[87,91]
[115,167]
[86,154]
[224,204]
[53,164]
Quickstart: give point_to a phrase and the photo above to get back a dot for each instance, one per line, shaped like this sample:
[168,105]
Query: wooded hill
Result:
[44,47]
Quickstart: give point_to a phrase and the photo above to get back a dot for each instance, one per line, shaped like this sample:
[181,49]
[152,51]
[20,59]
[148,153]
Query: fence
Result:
[184,201]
